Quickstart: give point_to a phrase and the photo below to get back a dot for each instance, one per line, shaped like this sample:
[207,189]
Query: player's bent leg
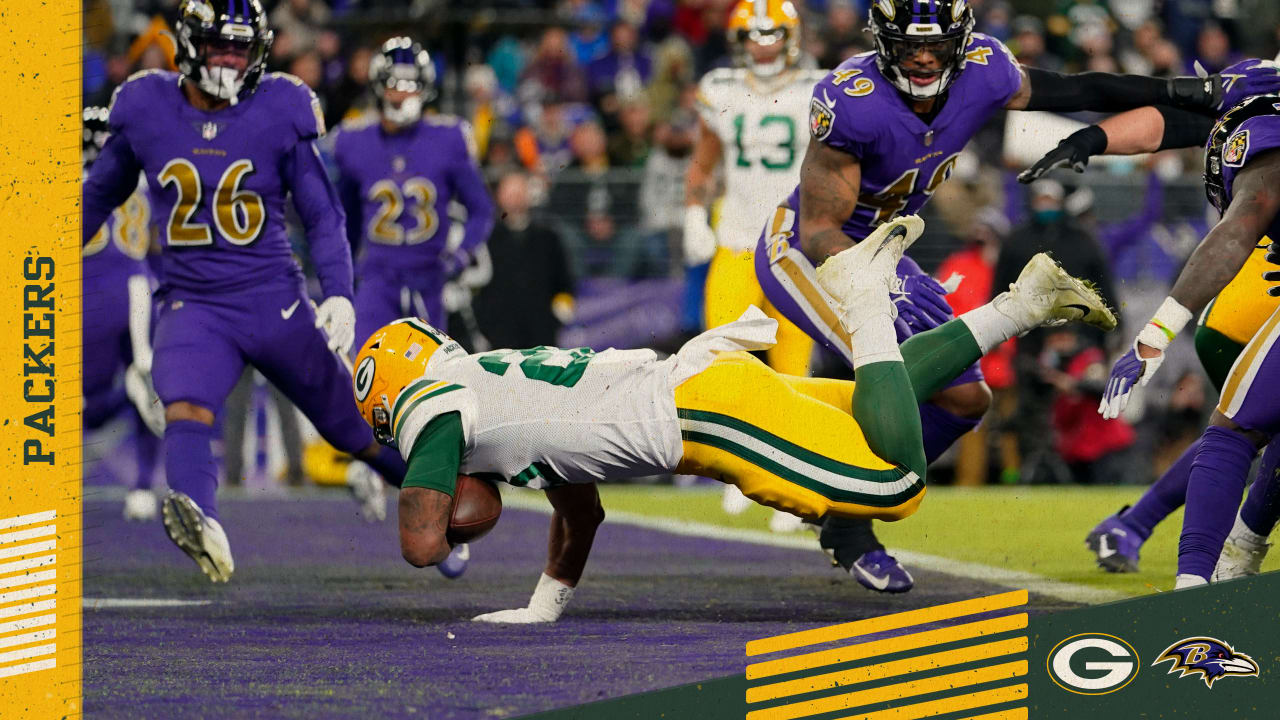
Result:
[794,351]
[1246,546]
[743,424]
[1246,419]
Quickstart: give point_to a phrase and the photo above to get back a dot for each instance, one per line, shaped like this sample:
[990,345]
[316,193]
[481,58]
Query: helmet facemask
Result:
[402,66]
[943,35]
[766,38]
[204,34]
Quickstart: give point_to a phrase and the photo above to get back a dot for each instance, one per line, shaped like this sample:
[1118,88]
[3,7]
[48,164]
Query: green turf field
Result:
[1032,529]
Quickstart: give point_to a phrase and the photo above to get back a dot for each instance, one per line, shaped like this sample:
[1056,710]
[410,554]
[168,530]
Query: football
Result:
[476,508]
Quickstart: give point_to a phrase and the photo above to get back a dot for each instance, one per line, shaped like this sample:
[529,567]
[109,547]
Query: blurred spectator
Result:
[531,290]
[486,106]
[590,152]
[589,41]
[673,72]
[621,72]
[297,24]
[629,146]
[1213,50]
[662,189]
[351,94]
[553,72]
[1090,445]
[507,59]
[543,146]
[1028,44]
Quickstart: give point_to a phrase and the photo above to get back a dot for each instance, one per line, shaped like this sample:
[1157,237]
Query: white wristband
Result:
[550,597]
[1165,325]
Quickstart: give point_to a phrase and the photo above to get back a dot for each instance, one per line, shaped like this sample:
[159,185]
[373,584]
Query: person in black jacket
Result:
[530,272]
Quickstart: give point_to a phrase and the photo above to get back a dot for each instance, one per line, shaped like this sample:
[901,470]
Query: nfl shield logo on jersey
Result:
[209,130]
[1237,147]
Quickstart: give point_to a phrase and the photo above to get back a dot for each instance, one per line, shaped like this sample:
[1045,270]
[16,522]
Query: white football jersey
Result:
[545,416]
[763,126]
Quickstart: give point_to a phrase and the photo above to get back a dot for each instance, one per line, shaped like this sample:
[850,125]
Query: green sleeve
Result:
[437,455]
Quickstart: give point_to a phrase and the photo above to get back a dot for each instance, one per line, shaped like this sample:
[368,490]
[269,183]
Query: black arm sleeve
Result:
[1107,92]
[1183,128]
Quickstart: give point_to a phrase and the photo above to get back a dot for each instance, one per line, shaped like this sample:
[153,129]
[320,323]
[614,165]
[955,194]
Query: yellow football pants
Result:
[787,442]
[1243,305]
[731,287]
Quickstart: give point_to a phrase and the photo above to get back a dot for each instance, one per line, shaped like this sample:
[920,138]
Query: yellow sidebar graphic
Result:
[828,670]
[40,522]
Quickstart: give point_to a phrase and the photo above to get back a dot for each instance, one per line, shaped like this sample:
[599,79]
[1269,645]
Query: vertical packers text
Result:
[38,379]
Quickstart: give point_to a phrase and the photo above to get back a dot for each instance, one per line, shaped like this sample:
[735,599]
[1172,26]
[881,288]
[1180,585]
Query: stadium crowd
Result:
[583,119]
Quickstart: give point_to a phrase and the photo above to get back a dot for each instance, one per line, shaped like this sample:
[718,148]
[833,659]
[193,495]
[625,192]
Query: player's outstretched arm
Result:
[111,180]
[577,514]
[424,518]
[699,186]
[1144,130]
[469,187]
[1254,206]
[1110,92]
[829,182]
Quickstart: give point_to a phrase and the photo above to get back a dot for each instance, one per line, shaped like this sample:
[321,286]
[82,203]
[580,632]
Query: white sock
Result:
[990,327]
[1244,536]
[874,341]
[1186,581]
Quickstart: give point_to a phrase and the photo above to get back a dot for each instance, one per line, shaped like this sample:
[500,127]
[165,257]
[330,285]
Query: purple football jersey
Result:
[397,187]
[218,182]
[1249,77]
[903,158]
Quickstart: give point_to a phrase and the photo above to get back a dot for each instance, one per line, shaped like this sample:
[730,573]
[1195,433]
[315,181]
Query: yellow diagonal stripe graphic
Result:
[913,641]
[880,671]
[1018,713]
[912,688]
[858,628]
[947,705]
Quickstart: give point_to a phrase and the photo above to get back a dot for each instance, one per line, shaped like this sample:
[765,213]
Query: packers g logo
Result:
[364,378]
[1093,664]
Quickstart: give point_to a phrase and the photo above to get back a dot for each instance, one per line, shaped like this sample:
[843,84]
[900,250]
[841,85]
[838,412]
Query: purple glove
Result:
[455,262]
[1130,371]
[1247,78]
[921,302]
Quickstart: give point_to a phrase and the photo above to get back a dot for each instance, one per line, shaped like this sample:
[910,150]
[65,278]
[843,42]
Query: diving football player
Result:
[561,420]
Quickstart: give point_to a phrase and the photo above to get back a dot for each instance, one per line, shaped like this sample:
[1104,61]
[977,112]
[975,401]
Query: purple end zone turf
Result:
[323,618]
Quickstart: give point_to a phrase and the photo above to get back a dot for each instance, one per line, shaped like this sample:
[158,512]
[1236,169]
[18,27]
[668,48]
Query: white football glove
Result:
[138,387]
[548,601]
[699,238]
[337,318]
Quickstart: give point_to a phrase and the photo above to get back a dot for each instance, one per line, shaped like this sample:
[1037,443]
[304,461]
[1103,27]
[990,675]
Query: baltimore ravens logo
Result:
[364,378]
[1212,659]
[1237,147]
[821,119]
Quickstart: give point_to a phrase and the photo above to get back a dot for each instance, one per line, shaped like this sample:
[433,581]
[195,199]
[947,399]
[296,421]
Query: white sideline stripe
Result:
[35,562]
[30,667]
[26,534]
[37,636]
[30,519]
[28,578]
[35,547]
[111,603]
[27,608]
[1070,592]
[30,652]
[27,623]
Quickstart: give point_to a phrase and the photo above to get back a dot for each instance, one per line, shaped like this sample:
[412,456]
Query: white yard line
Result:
[1039,584]
[119,603]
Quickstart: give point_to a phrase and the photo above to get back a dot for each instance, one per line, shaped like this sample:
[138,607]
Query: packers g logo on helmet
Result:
[392,358]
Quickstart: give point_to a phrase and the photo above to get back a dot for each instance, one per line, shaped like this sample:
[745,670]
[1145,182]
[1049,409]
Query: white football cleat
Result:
[199,536]
[1045,294]
[1188,581]
[141,505]
[1239,558]
[785,522]
[861,277]
[733,502]
[366,487]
